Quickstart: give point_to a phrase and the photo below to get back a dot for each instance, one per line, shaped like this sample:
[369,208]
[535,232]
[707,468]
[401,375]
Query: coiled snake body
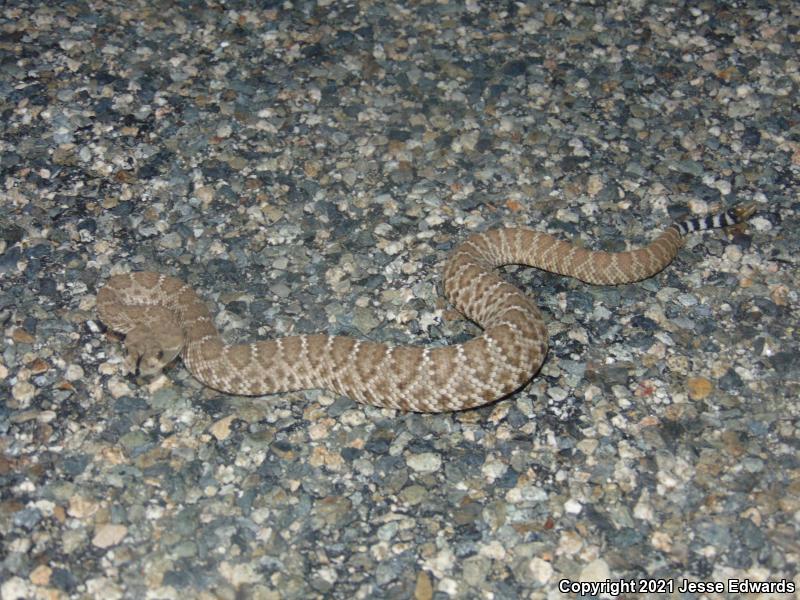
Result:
[163,317]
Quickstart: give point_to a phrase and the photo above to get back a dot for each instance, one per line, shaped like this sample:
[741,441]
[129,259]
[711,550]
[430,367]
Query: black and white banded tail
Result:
[734,216]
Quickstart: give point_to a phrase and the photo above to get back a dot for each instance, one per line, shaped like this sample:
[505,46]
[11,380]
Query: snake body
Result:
[163,317]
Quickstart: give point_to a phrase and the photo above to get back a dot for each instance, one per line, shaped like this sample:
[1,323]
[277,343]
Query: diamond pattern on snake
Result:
[163,318]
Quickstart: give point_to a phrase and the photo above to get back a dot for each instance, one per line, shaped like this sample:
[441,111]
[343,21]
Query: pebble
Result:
[81,507]
[686,300]
[597,570]
[423,590]
[427,462]
[16,588]
[170,241]
[118,388]
[74,373]
[41,575]
[109,535]
[541,570]
[699,387]
[23,393]
[365,320]
[222,428]
[569,543]
[493,469]
[493,550]
[414,494]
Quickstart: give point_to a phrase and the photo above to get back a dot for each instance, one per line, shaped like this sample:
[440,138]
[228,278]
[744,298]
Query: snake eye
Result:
[160,354]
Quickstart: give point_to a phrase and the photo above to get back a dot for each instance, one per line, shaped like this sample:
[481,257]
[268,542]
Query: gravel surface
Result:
[307,166]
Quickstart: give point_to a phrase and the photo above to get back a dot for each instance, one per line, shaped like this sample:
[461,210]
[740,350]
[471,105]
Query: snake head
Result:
[149,350]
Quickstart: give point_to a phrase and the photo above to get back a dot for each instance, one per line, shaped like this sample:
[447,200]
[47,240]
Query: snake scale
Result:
[162,317]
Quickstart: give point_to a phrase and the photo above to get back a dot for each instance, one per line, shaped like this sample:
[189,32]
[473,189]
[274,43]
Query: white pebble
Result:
[74,373]
[16,587]
[118,388]
[557,393]
[427,462]
[541,570]
[493,549]
[393,248]
[760,224]
[23,393]
[493,468]
[448,585]
[109,535]
[526,493]
[698,207]
[441,563]
[723,186]
[732,253]
[597,570]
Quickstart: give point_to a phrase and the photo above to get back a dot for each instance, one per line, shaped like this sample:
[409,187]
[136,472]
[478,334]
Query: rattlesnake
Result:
[163,317]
